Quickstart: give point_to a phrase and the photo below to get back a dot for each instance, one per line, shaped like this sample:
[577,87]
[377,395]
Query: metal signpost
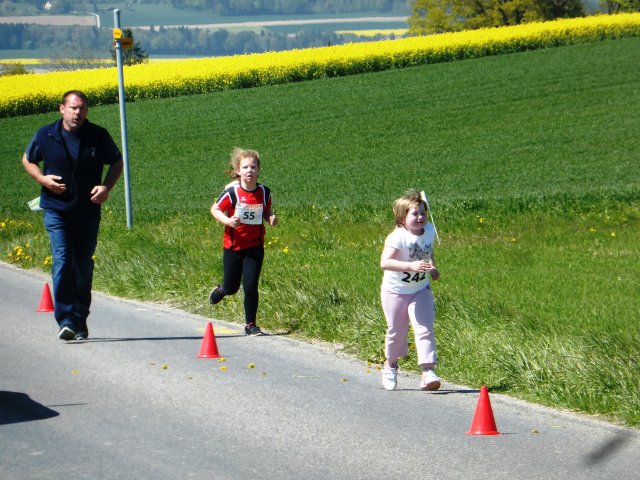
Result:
[119,44]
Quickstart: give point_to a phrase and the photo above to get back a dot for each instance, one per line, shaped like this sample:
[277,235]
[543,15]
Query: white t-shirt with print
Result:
[410,248]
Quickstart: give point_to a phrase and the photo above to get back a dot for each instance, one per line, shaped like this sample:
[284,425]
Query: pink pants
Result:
[417,309]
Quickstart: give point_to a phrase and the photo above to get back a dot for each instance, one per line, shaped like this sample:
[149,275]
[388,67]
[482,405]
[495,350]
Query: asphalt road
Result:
[134,402]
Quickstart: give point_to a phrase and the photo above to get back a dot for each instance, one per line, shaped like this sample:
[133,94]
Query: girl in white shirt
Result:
[409,265]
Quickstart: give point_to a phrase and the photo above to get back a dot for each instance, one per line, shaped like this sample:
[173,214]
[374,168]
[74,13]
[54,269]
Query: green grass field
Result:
[530,164]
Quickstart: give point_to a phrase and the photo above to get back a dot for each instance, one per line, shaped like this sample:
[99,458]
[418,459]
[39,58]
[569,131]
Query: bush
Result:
[14,69]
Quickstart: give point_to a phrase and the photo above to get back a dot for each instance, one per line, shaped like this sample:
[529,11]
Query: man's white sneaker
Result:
[389,377]
[429,381]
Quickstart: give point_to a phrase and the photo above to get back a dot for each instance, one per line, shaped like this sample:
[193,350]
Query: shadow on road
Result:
[445,391]
[140,339]
[16,407]
[606,450]
[155,339]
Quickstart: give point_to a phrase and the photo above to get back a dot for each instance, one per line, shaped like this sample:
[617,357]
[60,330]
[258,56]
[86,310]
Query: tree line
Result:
[438,16]
[93,42]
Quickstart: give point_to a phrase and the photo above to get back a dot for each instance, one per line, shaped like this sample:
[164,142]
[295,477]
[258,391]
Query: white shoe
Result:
[429,381]
[389,377]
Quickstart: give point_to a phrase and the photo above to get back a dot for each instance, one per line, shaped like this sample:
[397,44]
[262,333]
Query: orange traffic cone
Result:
[483,421]
[46,303]
[209,349]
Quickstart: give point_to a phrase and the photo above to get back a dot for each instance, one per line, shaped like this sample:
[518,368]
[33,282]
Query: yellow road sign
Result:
[117,33]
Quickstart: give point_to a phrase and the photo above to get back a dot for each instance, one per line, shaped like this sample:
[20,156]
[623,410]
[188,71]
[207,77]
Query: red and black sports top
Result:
[251,207]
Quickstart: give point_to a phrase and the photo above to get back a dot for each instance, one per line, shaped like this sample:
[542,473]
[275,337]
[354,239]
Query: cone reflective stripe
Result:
[46,303]
[483,421]
[209,348]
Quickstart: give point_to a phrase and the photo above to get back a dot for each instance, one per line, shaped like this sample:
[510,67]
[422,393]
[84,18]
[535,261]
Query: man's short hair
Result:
[77,93]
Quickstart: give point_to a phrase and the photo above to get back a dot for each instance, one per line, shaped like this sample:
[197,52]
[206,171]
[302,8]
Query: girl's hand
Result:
[434,273]
[233,222]
[419,266]
[273,220]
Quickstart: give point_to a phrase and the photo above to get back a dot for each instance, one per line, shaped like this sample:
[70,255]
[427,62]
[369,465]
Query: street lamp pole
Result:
[123,115]
[90,13]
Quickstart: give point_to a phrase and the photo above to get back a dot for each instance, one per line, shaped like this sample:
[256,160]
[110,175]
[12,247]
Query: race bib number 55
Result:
[250,214]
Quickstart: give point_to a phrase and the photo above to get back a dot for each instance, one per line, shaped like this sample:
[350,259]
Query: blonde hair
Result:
[411,199]
[236,157]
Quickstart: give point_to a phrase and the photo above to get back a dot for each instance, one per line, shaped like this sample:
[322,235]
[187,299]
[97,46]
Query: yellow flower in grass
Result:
[19,255]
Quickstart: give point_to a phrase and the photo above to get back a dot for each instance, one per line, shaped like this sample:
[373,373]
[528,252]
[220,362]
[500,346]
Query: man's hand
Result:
[54,183]
[99,194]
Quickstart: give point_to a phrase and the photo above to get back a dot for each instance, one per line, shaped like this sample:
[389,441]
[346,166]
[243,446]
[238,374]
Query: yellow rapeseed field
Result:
[13,61]
[26,94]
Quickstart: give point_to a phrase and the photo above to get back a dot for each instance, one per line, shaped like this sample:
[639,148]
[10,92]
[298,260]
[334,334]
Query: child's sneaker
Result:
[216,295]
[389,377]
[252,329]
[429,381]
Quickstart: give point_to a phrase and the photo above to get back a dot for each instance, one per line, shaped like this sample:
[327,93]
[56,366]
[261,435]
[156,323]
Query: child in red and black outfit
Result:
[241,208]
